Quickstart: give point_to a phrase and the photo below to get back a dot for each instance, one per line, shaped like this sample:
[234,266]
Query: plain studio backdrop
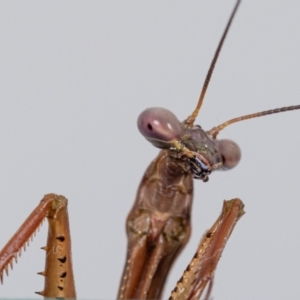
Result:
[74,77]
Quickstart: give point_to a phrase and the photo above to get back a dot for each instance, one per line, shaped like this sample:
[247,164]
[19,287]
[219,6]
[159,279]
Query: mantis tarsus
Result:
[263,91]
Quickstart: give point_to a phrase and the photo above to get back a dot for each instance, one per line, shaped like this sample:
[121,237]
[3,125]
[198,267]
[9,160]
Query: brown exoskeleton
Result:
[200,200]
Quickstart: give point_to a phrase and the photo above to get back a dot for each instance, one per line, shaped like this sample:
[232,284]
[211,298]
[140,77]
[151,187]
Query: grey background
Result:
[73,78]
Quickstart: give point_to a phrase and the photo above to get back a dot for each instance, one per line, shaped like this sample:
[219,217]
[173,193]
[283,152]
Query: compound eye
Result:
[159,126]
[230,152]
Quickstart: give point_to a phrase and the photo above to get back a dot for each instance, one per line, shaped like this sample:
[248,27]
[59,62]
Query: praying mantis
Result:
[64,143]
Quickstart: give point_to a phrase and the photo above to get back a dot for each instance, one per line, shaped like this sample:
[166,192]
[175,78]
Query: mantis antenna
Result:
[215,130]
[191,119]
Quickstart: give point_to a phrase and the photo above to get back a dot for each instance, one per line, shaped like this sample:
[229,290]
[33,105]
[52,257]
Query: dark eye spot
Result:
[62,259]
[150,127]
[60,238]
